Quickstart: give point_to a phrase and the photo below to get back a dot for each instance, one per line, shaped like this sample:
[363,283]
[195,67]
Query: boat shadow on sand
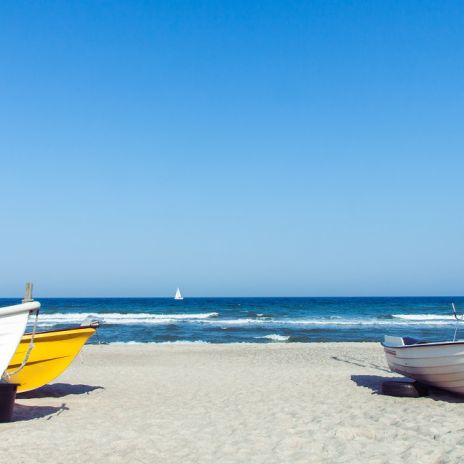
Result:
[24,412]
[374,383]
[58,390]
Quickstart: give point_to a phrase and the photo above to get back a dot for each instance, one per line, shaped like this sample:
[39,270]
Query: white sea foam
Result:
[424,317]
[276,337]
[240,321]
[211,318]
[177,342]
[131,342]
[320,322]
[184,342]
[121,318]
[363,322]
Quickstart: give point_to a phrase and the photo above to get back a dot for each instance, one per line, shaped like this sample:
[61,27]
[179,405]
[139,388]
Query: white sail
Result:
[178,295]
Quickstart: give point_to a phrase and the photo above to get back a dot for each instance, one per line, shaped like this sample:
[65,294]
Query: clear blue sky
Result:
[232,148]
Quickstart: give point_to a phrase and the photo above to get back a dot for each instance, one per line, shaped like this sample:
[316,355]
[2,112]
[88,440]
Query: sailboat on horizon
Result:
[178,295]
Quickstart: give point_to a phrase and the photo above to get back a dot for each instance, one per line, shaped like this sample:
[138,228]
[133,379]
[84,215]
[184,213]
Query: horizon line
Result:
[231,297]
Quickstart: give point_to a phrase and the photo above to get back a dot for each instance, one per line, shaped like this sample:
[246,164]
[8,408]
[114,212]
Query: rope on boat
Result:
[458,320]
[7,375]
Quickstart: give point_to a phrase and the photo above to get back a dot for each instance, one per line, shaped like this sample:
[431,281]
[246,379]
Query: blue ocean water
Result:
[253,320]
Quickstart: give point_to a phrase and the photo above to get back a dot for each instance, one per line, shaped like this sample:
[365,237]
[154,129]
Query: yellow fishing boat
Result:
[52,353]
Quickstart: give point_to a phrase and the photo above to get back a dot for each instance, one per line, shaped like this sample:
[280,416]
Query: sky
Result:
[232,148]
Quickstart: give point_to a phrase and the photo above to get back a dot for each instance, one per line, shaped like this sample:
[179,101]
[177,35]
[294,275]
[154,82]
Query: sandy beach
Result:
[272,403]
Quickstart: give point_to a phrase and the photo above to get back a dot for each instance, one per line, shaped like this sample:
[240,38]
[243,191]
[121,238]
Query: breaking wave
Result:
[176,342]
[213,319]
[121,318]
[276,337]
[424,317]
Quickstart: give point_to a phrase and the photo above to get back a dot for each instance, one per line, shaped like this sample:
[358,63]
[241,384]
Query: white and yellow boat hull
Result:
[52,353]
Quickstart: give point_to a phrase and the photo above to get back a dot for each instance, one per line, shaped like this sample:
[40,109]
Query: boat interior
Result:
[401,341]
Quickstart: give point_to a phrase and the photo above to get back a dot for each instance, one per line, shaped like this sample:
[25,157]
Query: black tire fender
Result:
[404,389]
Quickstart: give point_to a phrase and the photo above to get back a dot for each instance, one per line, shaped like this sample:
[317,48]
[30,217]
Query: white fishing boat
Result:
[440,364]
[178,295]
[13,321]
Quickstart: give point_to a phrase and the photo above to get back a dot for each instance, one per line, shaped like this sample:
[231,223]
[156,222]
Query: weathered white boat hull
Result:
[13,321]
[437,364]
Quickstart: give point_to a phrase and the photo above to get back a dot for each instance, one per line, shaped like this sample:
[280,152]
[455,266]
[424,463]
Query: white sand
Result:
[275,403]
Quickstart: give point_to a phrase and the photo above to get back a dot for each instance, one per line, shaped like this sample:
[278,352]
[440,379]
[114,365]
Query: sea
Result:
[254,320]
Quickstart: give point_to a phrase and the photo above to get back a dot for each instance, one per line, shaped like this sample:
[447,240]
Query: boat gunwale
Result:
[66,329]
[422,345]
